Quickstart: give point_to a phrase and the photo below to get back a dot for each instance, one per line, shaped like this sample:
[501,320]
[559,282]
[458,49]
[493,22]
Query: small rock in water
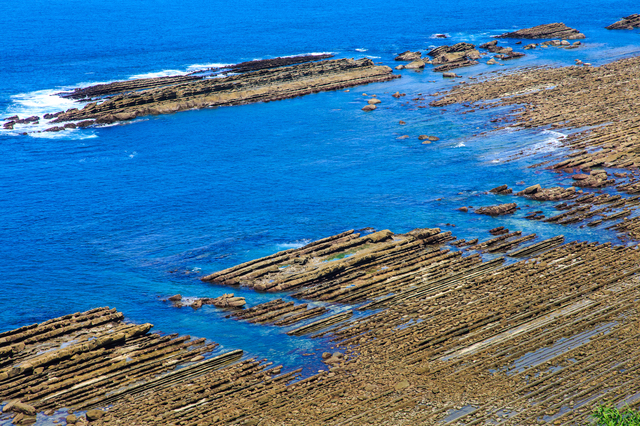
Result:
[175,298]
[368,107]
[374,101]
[402,123]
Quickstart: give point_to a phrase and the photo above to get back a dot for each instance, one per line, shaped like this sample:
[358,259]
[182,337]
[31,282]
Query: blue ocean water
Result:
[129,214]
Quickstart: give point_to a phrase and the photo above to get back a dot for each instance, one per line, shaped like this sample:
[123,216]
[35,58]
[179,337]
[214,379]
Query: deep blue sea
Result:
[126,215]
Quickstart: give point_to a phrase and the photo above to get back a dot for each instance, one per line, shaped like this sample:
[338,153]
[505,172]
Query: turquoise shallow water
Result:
[101,216]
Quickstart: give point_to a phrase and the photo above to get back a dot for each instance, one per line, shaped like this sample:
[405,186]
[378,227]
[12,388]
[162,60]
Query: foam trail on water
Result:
[163,73]
[306,54]
[38,103]
[196,67]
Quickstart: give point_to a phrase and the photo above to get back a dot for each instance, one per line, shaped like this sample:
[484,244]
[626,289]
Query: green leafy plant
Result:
[611,416]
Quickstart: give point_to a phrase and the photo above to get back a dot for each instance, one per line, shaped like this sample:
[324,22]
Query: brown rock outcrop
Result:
[456,56]
[627,23]
[555,30]
[558,193]
[415,65]
[409,56]
[501,190]
[256,86]
[498,210]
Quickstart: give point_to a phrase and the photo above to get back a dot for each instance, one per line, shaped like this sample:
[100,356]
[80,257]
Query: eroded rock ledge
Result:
[444,337]
[627,23]
[555,30]
[601,99]
[256,86]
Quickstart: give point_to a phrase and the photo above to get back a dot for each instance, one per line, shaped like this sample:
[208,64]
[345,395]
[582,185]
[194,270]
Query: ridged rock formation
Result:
[628,23]
[532,338]
[555,30]
[457,56]
[257,86]
[602,100]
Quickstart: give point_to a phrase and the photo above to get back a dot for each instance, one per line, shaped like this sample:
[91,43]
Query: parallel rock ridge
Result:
[148,83]
[76,360]
[563,324]
[555,30]
[628,23]
[256,86]
[601,100]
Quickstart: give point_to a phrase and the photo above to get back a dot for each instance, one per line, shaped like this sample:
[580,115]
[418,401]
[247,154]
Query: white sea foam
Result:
[296,244]
[304,54]
[197,67]
[460,145]
[435,36]
[554,134]
[163,73]
[76,135]
[361,50]
[38,103]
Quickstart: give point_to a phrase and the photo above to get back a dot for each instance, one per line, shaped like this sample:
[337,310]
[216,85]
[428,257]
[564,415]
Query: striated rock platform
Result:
[601,100]
[627,23]
[185,93]
[555,30]
[444,331]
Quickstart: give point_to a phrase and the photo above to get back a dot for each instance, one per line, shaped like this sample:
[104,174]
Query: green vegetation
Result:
[611,416]
[344,254]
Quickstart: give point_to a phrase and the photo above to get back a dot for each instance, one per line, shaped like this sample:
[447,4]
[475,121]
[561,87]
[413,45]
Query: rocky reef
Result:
[135,98]
[436,335]
[627,23]
[555,30]
[451,57]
